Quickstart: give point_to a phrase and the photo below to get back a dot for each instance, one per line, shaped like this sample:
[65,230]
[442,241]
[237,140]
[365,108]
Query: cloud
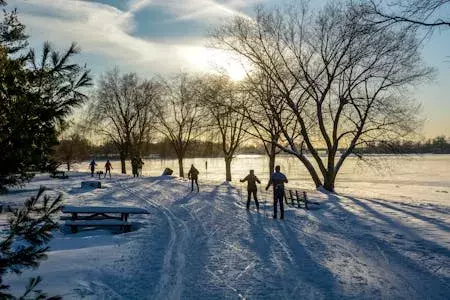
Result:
[204,10]
[106,31]
[137,5]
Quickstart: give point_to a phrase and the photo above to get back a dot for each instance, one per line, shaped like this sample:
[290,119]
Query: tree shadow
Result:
[414,277]
[412,214]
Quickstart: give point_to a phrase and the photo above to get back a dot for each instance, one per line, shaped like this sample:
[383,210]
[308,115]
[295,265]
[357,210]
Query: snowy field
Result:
[206,246]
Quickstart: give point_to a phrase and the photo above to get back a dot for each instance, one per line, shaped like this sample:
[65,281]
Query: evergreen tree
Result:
[24,246]
[36,94]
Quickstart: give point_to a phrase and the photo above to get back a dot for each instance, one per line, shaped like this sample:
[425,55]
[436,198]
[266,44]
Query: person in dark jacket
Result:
[140,164]
[193,176]
[251,188]
[92,165]
[278,180]
[134,166]
[108,168]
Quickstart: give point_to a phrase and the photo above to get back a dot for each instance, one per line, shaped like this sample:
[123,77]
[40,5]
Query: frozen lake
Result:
[388,176]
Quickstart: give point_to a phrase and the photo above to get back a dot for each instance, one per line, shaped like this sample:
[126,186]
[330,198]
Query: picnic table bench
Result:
[58,174]
[99,216]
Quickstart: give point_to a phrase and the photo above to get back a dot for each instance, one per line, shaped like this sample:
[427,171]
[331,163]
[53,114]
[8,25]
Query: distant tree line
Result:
[438,145]
[76,149]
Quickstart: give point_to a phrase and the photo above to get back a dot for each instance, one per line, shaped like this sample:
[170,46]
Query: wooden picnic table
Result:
[99,216]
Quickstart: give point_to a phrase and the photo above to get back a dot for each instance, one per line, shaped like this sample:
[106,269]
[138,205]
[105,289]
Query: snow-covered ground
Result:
[206,246]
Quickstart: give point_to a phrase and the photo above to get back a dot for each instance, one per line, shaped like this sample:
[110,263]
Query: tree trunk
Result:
[311,170]
[328,182]
[180,166]
[228,168]
[122,162]
[68,165]
[330,176]
[272,155]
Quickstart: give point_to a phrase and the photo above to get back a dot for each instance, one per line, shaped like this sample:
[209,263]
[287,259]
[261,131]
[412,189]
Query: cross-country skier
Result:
[134,166]
[278,180]
[251,188]
[140,163]
[108,168]
[92,165]
[193,176]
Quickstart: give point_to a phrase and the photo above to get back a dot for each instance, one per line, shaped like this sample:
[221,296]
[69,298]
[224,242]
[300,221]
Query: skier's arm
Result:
[245,179]
[257,180]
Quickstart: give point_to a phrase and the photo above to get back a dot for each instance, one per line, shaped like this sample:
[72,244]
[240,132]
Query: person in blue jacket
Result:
[278,180]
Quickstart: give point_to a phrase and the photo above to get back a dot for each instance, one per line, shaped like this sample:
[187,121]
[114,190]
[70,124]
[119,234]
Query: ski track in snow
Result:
[206,246]
[170,283]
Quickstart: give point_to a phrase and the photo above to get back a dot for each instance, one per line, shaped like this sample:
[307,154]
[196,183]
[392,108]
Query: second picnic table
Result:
[99,216]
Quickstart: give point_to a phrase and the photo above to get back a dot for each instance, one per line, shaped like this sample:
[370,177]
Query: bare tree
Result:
[123,111]
[266,111]
[178,113]
[423,13]
[223,102]
[73,149]
[343,78]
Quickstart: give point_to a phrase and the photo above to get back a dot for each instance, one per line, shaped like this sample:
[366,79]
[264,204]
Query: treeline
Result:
[437,145]
[76,149]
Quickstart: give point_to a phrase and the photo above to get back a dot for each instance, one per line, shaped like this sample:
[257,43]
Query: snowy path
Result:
[206,246]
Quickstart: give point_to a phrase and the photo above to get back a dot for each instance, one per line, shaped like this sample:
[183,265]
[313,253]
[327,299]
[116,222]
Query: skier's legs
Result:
[280,199]
[196,183]
[275,205]
[256,199]
[192,184]
[249,194]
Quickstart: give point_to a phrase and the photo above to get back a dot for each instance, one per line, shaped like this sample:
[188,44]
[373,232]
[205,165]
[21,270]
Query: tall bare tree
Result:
[178,114]
[122,110]
[266,111]
[343,78]
[223,102]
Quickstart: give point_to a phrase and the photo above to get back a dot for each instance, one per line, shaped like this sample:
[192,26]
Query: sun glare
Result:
[235,71]
[207,59]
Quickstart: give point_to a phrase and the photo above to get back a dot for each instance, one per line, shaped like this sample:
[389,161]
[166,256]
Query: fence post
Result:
[305,199]
[298,198]
[292,197]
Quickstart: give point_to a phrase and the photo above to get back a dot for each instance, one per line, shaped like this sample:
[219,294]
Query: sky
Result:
[152,37]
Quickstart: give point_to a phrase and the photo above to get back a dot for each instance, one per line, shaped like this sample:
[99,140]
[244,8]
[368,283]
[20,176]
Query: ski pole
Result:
[241,192]
[265,202]
[264,208]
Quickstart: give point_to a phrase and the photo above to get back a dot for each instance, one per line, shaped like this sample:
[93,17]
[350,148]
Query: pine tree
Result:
[30,228]
[36,94]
